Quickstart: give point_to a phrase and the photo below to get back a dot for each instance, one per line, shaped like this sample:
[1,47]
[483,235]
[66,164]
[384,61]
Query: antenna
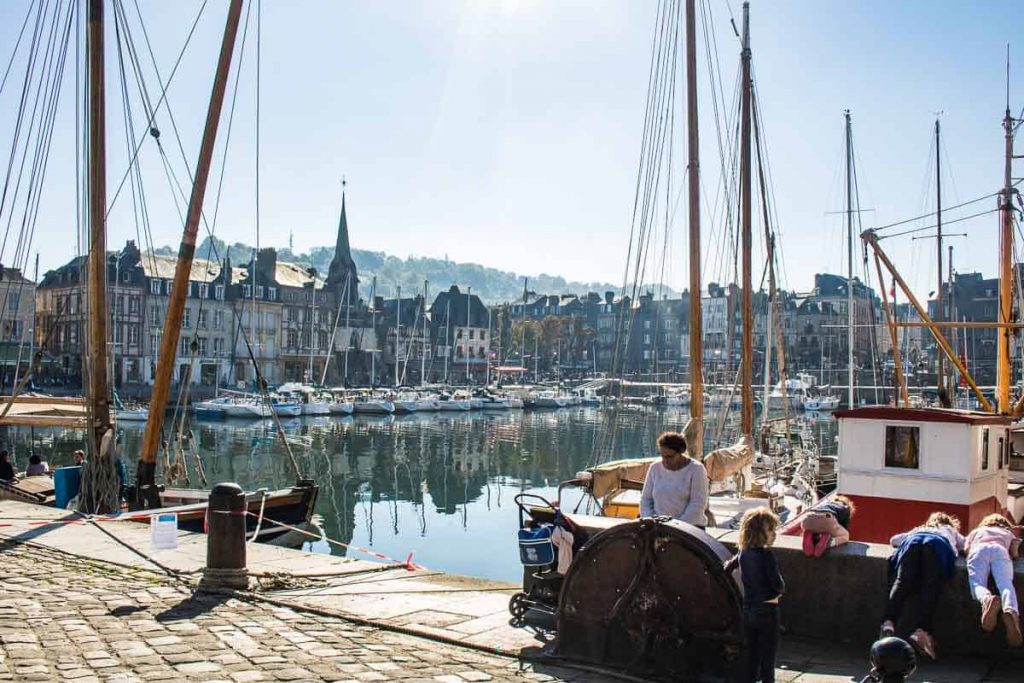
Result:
[1007,77]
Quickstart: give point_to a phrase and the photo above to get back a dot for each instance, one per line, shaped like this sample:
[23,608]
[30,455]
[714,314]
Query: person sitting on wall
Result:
[676,487]
[36,467]
[924,560]
[827,522]
[6,468]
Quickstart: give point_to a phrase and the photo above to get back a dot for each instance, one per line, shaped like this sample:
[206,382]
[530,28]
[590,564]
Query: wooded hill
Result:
[492,285]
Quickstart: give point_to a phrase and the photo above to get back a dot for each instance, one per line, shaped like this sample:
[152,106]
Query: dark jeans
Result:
[761,627]
[919,573]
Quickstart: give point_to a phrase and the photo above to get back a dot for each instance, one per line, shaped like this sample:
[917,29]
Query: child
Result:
[827,521]
[991,549]
[924,560]
[762,588]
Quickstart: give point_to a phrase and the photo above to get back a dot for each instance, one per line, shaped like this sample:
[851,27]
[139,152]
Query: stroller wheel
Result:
[517,606]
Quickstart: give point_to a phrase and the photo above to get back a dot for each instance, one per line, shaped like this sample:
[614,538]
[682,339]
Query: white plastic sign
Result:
[163,531]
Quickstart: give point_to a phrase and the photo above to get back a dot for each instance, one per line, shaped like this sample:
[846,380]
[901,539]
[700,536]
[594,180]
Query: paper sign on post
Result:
[163,531]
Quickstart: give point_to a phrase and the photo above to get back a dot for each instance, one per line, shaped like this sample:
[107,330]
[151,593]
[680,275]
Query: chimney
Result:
[266,265]
[609,297]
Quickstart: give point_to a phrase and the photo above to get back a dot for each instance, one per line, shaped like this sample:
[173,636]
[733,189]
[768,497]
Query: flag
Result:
[892,290]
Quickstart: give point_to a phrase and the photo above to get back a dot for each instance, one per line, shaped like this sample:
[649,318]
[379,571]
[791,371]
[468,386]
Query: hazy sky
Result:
[507,132]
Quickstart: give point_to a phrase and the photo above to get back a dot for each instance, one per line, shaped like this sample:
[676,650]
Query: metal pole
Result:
[849,237]
[398,330]
[1005,272]
[312,327]
[487,352]
[469,293]
[747,357]
[423,349]
[696,448]
[176,305]
[373,326]
[940,371]
[348,317]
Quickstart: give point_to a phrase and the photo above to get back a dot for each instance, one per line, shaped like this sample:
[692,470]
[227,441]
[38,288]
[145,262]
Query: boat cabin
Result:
[898,465]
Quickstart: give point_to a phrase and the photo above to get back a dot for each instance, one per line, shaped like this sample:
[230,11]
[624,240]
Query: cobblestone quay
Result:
[64,618]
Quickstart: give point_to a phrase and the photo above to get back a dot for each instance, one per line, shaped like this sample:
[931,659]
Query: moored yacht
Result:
[366,402]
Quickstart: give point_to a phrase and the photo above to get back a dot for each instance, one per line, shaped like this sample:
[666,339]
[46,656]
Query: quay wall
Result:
[841,596]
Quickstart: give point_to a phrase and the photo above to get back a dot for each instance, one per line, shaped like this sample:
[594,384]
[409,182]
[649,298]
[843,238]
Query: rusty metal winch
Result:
[650,597]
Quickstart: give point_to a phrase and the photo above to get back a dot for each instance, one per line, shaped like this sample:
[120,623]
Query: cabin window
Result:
[902,446]
[999,454]
[984,450]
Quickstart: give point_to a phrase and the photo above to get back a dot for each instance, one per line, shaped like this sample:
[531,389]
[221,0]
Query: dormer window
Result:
[204,290]
[218,292]
[247,291]
[259,291]
[271,293]
[154,287]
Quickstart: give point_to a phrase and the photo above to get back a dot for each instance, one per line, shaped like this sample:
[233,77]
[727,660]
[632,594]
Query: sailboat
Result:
[735,487]
[900,462]
[100,491]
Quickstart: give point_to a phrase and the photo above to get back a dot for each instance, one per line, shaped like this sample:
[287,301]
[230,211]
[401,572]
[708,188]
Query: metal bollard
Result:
[225,539]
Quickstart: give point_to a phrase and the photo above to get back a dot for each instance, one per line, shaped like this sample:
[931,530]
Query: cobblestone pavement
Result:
[63,618]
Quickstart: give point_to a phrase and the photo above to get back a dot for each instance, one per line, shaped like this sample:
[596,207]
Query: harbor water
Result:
[437,485]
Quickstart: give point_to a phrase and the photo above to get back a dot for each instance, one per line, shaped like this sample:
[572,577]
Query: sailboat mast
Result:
[469,293]
[849,257]
[940,370]
[398,330]
[693,176]
[1005,271]
[447,336]
[373,326]
[312,320]
[747,357]
[179,291]
[98,389]
[423,355]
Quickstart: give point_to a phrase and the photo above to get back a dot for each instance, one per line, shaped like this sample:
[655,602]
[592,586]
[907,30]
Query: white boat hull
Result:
[405,407]
[341,408]
[455,404]
[316,408]
[137,415]
[374,407]
[287,409]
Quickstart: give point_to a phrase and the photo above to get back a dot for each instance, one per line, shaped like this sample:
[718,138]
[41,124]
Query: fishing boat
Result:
[99,491]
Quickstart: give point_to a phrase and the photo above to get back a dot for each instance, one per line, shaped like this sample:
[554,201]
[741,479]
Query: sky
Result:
[508,132]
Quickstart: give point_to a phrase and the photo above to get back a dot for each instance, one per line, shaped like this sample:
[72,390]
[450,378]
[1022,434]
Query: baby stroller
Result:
[537,604]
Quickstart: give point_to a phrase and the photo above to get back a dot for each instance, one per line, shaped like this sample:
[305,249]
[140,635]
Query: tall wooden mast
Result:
[97,269]
[849,256]
[747,354]
[696,447]
[175,308]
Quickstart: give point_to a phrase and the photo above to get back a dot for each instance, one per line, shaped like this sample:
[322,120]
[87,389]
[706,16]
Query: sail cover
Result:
[722,463]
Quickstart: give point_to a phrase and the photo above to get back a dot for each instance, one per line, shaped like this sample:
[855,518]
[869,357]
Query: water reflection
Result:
[438,485]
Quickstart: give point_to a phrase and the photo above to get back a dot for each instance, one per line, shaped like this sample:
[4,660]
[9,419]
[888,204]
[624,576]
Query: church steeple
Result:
[343,268]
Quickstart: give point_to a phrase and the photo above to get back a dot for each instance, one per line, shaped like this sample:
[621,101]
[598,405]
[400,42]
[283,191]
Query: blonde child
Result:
[762,588]
[991,549]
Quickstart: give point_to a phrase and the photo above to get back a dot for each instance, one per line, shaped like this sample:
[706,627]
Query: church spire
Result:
[341,274]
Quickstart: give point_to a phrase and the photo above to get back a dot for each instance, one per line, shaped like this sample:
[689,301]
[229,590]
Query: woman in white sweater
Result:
[676,487]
